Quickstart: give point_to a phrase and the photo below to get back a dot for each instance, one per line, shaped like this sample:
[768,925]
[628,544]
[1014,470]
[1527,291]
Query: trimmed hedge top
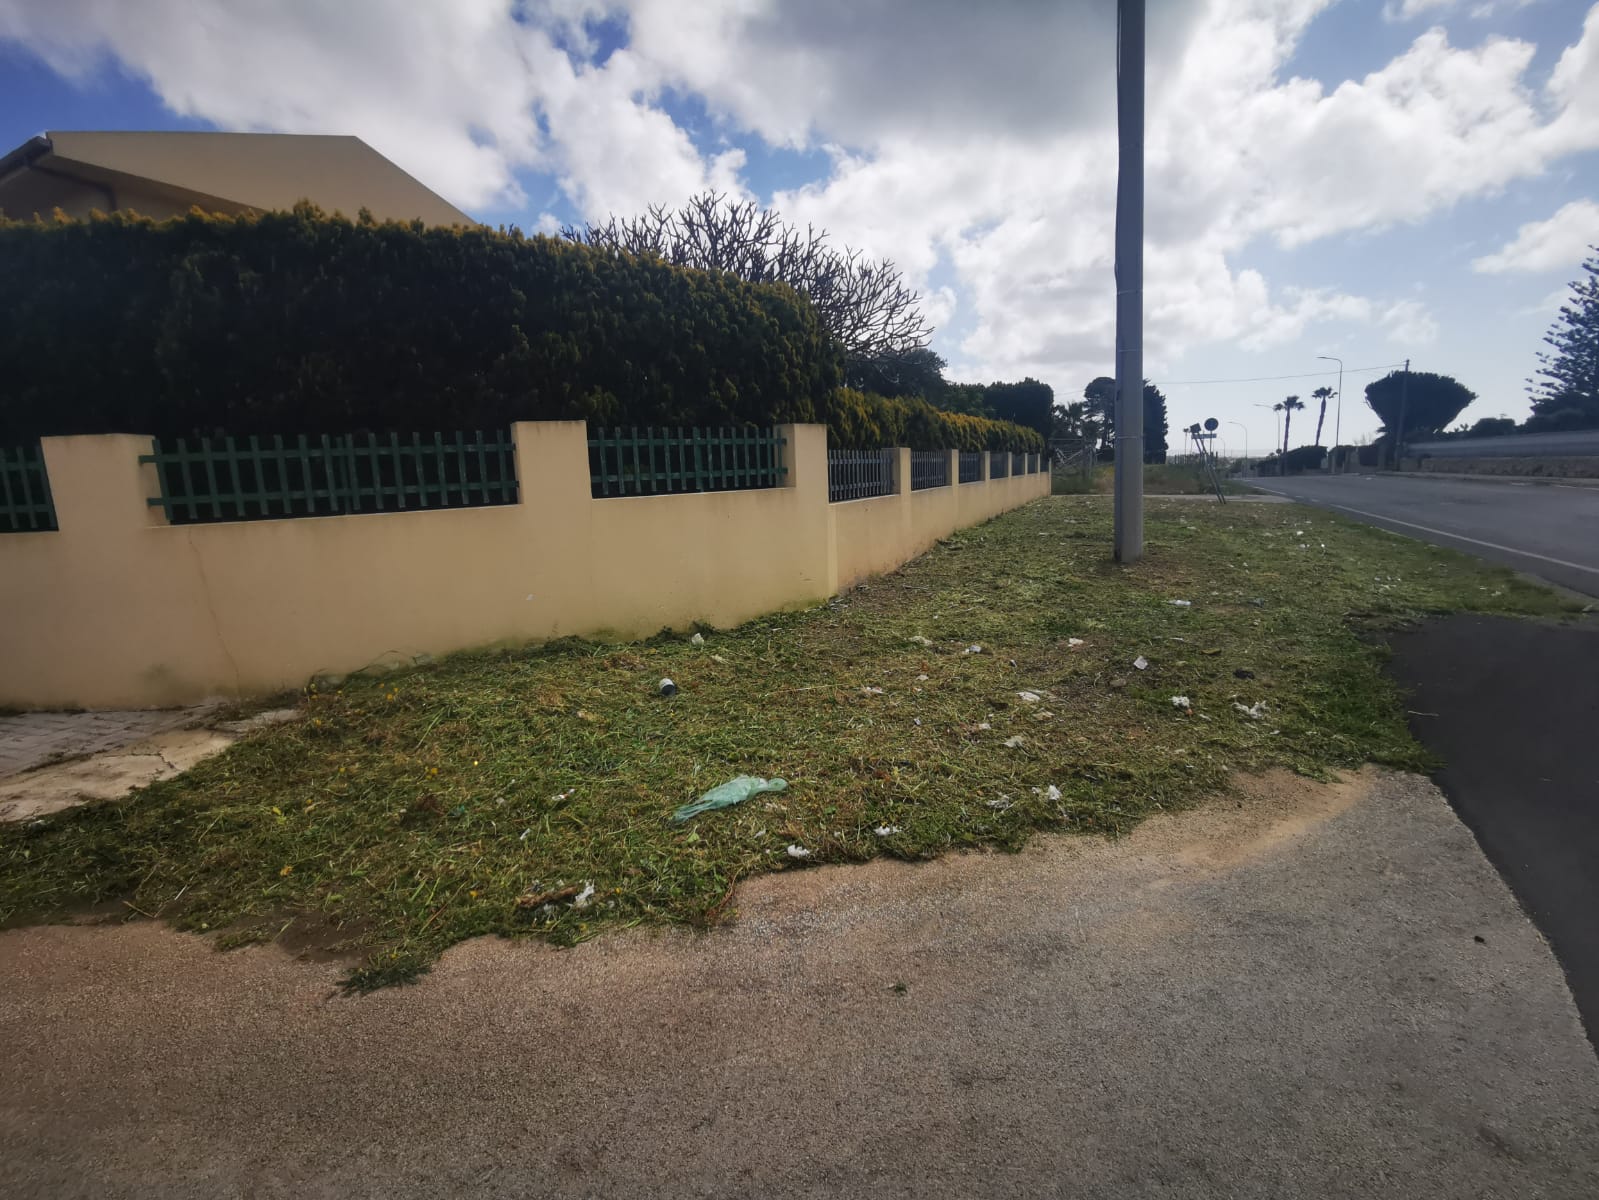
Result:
[295,322]
[864,421]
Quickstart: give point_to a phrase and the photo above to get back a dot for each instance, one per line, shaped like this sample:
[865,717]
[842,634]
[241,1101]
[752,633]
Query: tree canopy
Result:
[1565,391]
[1492,427]
[1431,403]
[864,303]
[1100,398]
[1028,403]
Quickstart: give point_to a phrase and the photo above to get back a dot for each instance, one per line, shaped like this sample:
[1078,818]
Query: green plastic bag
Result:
[734,791]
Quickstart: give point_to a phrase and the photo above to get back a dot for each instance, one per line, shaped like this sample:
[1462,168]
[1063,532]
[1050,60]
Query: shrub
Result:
[1303,458]
[296,322]
[864,421]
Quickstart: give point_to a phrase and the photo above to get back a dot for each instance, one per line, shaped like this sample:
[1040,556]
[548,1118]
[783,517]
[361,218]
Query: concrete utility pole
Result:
[1338,415]
[1130,281]
[1399,436]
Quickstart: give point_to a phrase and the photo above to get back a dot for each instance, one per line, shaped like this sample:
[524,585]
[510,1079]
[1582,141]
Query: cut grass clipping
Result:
[529,792]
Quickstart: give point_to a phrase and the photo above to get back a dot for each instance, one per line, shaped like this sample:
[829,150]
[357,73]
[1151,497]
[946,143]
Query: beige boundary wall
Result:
[118,609]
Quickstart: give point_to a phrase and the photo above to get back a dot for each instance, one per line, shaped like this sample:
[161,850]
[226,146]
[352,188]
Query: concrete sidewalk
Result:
[1305,991]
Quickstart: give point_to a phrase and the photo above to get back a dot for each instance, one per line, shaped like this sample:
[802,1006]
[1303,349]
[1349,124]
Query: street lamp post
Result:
[1245,428]
[1338,413]
[1276,412]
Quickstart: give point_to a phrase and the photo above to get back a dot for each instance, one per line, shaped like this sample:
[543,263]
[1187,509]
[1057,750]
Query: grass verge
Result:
[1160,479]
[489,793]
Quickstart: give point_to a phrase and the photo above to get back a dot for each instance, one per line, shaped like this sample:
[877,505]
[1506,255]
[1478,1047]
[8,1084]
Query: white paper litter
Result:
[1029,697]
[887,830]
[798,852]
[1181,702]
[697,640]
[1074,642]
[974,648]
[1183,603]
[1015,743]
[1253,711]
[581,900]
[1140,662]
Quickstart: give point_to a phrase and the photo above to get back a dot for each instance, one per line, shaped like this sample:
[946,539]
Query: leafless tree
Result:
[864,303]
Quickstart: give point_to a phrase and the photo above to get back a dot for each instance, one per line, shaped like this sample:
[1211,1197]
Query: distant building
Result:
[166,174]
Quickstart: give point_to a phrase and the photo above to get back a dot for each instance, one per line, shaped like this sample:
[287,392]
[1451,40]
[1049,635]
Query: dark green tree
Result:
[1492,427]
[918,371]
[1565,393]
[1075,425]
[1430,404]
[968,398]
[1028,403]
[1100,396]
[1154,424]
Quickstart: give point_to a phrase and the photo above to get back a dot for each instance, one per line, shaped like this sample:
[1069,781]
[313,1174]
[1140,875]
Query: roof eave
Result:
[24,156]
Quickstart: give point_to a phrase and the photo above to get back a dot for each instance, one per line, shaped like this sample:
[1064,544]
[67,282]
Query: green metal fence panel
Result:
[971,466]
[26,505]
[858,474]
[929,469]
[222,479]
[674,461]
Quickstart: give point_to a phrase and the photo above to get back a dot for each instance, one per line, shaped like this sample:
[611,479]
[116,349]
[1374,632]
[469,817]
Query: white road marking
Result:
[1459,537]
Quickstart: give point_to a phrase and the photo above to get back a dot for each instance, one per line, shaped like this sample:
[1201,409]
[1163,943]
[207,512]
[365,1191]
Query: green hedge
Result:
[863,421]
[295,322]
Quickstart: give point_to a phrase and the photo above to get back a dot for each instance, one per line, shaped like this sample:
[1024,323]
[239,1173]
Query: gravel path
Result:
[1307,991]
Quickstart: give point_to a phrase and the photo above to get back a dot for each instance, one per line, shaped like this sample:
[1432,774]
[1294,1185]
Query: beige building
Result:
[166,174]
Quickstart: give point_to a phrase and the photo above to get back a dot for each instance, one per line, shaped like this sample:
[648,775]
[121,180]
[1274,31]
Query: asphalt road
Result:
[1512,707]
[1302,990]
[1548,530]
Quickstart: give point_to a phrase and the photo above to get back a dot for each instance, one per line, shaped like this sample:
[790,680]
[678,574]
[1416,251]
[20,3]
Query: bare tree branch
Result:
[864,303]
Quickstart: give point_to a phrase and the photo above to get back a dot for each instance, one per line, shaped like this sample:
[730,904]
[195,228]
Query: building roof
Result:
[230,171]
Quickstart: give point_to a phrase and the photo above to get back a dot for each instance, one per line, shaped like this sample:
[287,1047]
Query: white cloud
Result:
[444,91]
[1558,243]
[864,74]
[1573,91]
[1410,10]
[1408,323]
[453,92]
[1235,152]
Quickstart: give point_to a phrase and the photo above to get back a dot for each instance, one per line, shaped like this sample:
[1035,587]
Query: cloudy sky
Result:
[1372,179]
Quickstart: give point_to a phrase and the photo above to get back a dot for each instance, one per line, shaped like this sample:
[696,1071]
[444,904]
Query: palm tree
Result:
[1288,406]
[1323,394]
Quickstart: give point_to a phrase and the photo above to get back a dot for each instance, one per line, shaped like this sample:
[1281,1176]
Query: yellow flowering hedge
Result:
[865,421]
